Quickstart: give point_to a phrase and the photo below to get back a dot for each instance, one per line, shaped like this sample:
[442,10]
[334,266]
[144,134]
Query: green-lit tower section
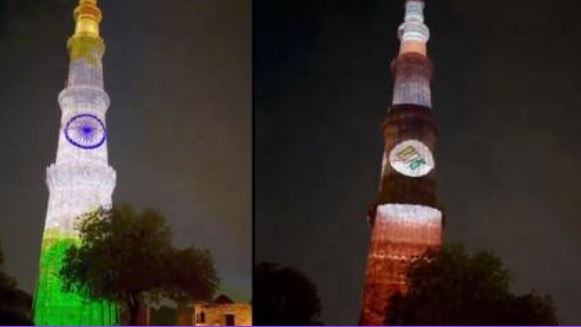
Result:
[80,180]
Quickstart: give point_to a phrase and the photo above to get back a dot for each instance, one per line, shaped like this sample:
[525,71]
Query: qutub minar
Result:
[405,218]
[80,180]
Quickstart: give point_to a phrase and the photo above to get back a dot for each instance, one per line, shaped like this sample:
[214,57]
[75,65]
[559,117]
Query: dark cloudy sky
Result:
[508,100]
[179,76]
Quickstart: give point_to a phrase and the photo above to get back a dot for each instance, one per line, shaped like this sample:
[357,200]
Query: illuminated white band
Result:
[414,10]
[410,223]
[81,179]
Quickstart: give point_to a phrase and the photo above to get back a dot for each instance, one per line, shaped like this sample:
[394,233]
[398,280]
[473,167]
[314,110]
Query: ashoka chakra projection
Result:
[86,131]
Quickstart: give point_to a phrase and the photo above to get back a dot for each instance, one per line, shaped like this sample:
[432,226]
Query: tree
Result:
[15,304]
[190,276]
[128,258]
[284,296]
[164,316]
[449,286]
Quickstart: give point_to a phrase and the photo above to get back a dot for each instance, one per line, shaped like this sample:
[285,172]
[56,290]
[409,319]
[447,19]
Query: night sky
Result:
[179,76]
[507,98]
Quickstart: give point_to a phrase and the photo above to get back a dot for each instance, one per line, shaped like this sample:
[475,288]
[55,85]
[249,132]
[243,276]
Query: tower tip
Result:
[413,33]
[87,16]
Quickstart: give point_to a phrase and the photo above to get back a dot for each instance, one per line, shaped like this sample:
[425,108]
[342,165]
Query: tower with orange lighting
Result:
[405,218]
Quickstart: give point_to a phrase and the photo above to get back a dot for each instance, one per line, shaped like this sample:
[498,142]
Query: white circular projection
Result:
[411,158]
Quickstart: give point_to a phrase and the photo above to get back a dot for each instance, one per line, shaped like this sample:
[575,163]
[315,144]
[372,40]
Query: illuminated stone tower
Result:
[81,179]
[405,218]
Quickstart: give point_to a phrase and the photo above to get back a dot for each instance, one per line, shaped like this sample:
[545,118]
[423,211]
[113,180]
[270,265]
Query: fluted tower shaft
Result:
[405,218]
[80,180]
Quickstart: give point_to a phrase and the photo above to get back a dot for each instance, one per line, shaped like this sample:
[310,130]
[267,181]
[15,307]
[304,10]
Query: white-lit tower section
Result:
[81,179]
[405,218]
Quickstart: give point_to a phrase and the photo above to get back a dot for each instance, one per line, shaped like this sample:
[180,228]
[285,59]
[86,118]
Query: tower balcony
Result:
[83,98]
[81,176]
[413,30]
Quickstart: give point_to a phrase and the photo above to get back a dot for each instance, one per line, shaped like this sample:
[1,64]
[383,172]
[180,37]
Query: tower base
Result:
[55,307]
[400,233]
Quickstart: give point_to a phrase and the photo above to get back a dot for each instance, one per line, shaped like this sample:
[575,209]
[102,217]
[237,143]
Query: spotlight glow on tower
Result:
[405,218]
[80,180]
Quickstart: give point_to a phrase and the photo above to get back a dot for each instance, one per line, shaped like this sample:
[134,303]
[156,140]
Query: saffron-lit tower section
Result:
[80,180]
[405,218]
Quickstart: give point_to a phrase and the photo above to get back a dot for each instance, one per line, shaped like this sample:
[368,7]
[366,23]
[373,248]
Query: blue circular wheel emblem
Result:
[85,131]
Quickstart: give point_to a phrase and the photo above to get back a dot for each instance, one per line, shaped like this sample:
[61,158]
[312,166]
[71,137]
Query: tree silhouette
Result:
[128,258]
[15,304]
[449,286]
[284,296]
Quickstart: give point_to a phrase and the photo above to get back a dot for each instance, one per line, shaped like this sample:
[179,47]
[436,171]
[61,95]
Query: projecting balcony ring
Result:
[74,97]
[71,176]
[414,31]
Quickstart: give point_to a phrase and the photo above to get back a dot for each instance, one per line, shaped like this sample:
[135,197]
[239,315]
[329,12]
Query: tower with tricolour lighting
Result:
[405,219]
[80,180]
